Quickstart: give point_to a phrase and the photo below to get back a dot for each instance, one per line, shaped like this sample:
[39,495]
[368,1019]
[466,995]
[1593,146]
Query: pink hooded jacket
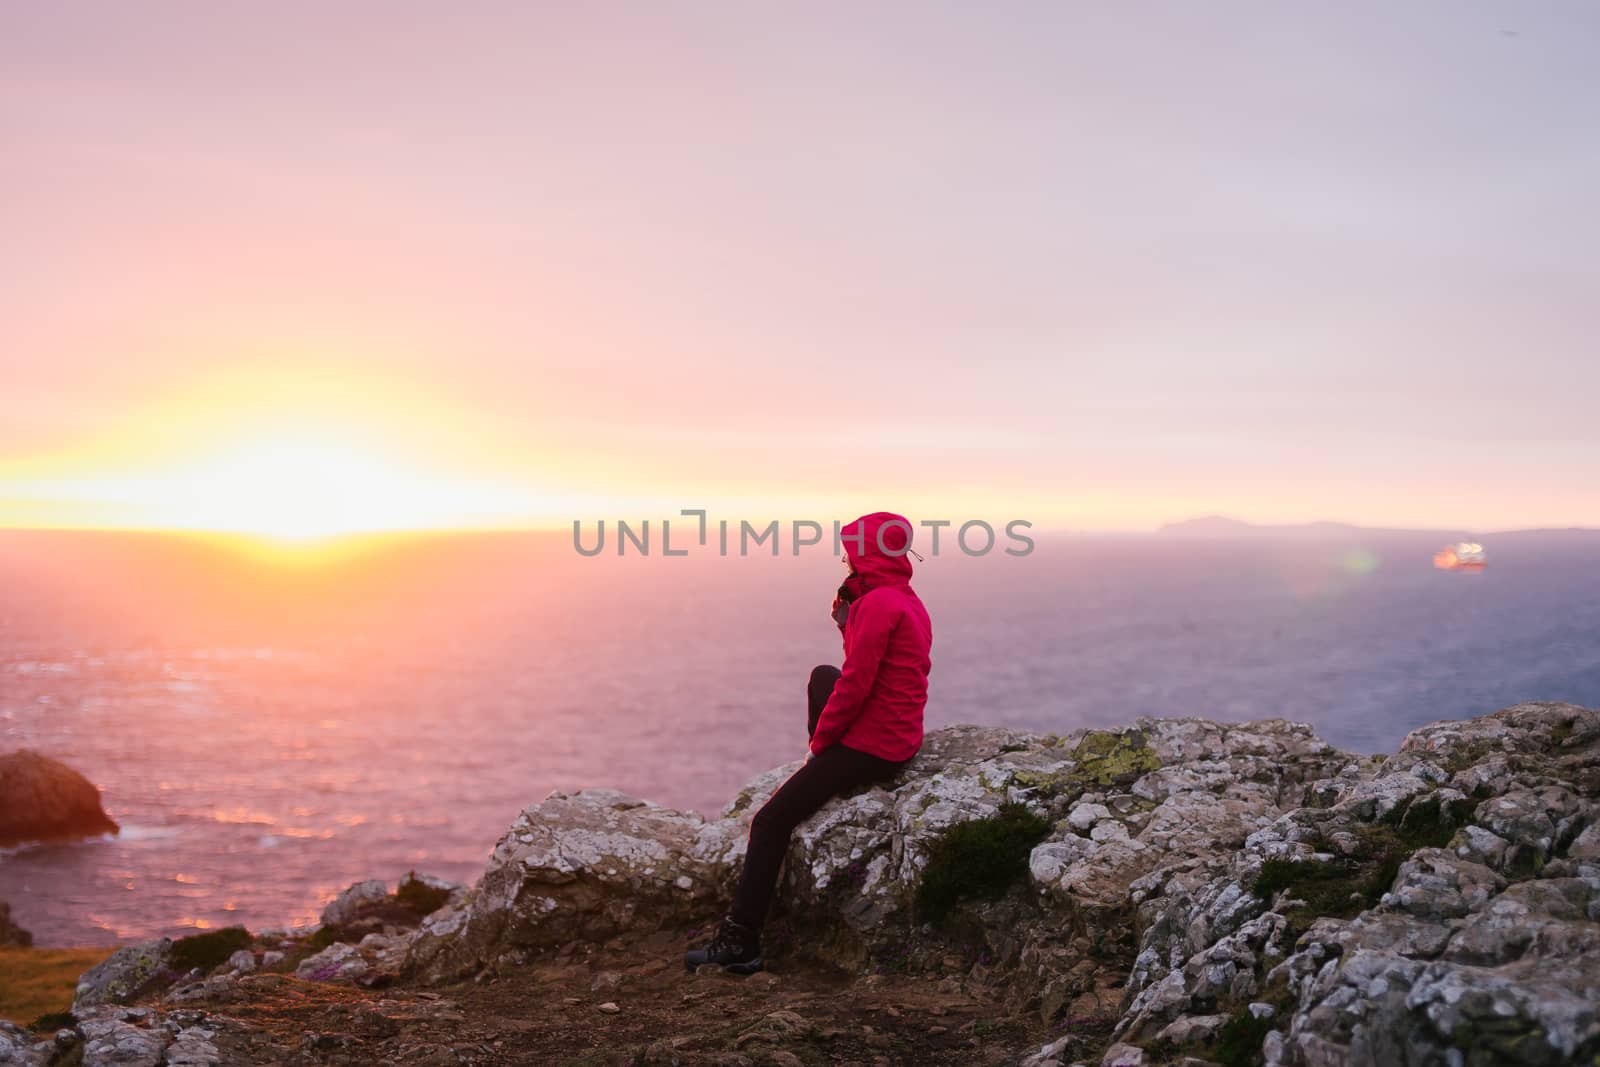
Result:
[877,703]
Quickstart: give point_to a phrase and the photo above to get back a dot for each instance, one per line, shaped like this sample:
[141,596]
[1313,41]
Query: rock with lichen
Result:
[124,974]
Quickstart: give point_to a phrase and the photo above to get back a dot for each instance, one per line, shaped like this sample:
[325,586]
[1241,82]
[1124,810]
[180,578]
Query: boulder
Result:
[43,800]
[336,963]
[345,907]
[575,865]
[367,909]
[124,974]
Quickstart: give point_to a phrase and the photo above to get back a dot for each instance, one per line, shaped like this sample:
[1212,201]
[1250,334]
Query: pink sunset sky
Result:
[378,265]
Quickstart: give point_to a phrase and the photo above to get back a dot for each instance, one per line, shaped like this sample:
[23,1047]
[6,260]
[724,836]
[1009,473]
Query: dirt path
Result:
[626,1002]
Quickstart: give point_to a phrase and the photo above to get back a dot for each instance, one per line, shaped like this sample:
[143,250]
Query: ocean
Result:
[268,730]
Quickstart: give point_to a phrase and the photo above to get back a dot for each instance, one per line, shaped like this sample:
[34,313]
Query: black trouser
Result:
[836,769]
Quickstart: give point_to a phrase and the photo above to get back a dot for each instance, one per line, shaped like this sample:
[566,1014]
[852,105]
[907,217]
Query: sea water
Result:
[268,727]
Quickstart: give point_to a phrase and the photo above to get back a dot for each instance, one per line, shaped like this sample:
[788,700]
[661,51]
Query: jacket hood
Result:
[878,546]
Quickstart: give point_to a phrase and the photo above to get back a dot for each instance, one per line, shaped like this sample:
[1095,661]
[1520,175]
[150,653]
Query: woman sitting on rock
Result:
[865,721]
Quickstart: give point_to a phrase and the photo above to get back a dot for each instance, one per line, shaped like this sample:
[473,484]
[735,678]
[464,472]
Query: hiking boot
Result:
[735,948]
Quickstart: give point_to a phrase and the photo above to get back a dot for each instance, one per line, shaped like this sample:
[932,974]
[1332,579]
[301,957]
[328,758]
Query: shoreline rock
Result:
[1176,891]
[42,799]
[10,933]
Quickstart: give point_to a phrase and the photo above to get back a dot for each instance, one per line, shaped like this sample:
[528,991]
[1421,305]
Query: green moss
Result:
[51,1021]
[979,859]
[1468,753]
[1296,875]
[1380,876]
[325,935]
[1524,863]
[1160,1049]
[1343,887]
[420,897]
[1334,889]
[1425,822]
[210,949]
[1238,1043]
[1506,1039]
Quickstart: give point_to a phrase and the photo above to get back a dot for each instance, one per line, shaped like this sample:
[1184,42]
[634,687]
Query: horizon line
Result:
[1172,527]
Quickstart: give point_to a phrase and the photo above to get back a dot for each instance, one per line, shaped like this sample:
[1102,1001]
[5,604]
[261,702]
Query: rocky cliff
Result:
[1178,891]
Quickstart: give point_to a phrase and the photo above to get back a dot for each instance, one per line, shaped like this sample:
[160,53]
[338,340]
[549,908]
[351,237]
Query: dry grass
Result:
[34,981]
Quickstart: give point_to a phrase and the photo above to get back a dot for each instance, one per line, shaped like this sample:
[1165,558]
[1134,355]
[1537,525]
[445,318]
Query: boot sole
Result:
[747,968]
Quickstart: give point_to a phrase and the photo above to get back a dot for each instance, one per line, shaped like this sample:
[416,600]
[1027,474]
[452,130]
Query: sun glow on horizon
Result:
[288,458]
[298,486]
[307,487]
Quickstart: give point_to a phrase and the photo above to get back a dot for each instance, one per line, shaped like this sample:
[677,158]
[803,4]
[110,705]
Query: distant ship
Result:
[1461,556]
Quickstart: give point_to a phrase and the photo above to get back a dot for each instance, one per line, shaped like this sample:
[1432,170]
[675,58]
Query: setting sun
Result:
[296,485]
[306,486]
[289,452]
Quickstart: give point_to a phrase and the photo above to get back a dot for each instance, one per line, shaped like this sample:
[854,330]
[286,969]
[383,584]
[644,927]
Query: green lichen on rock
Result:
[124,974]
[978,859]
[1107,758]
[1055,785]
[210,949]
[1101,759]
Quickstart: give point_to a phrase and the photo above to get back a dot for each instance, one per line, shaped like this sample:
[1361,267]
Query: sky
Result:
[309,268]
